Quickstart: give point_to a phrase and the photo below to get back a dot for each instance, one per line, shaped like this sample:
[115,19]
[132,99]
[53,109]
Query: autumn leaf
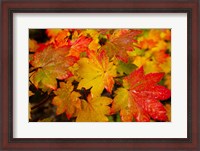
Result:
[94,109]
[59,38]
[49,65]
[120,42]
[33,45]
[168,109]
[79,46]
[157,61]
[53,32]
[93,76]
[146,43]
[168,81]
[140,97]
[166,34]
[125,68]
[97,73]
[157,49]
[166,66]
[66,100]
[94,34]
[161,56]
[136,52]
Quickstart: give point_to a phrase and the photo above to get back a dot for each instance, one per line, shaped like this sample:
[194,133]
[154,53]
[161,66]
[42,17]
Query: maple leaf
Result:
[51,64]
[59,38]
[120,42]
[140,97]
[79,46]
[66,100]
[96,72]
[94,34]
[94,109]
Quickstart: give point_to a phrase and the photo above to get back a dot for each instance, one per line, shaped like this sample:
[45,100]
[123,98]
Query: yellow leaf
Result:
[94,45]
[166,66]
[97,73]
[94,110]
[53,32]
[33,45]
[151,66]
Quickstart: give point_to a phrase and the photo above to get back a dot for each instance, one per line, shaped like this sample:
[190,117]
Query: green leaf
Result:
[126,68]
[136,52]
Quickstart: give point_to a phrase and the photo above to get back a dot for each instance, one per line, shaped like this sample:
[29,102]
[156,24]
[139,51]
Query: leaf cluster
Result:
[100,75]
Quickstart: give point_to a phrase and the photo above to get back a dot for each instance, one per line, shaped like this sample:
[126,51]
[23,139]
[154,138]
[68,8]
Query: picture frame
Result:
[190,7]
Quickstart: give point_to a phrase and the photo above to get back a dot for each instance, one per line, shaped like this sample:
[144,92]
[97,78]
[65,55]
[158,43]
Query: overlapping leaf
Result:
[59,38]
[94,34]
[94,109]
[49,65]
[53,32]
[97,73]
[79,46]
[104,57]
[140,97]
[67,100]
[120,42]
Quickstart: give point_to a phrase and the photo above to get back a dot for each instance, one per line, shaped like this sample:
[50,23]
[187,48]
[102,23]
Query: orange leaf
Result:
[66,100]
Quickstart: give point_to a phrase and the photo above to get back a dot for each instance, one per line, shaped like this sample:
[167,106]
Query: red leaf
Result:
[141,99]
[79,46]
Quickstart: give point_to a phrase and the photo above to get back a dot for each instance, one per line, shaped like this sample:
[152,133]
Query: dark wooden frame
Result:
[8,7]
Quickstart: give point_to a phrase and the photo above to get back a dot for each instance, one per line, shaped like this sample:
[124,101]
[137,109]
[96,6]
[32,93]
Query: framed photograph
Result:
[114,75]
